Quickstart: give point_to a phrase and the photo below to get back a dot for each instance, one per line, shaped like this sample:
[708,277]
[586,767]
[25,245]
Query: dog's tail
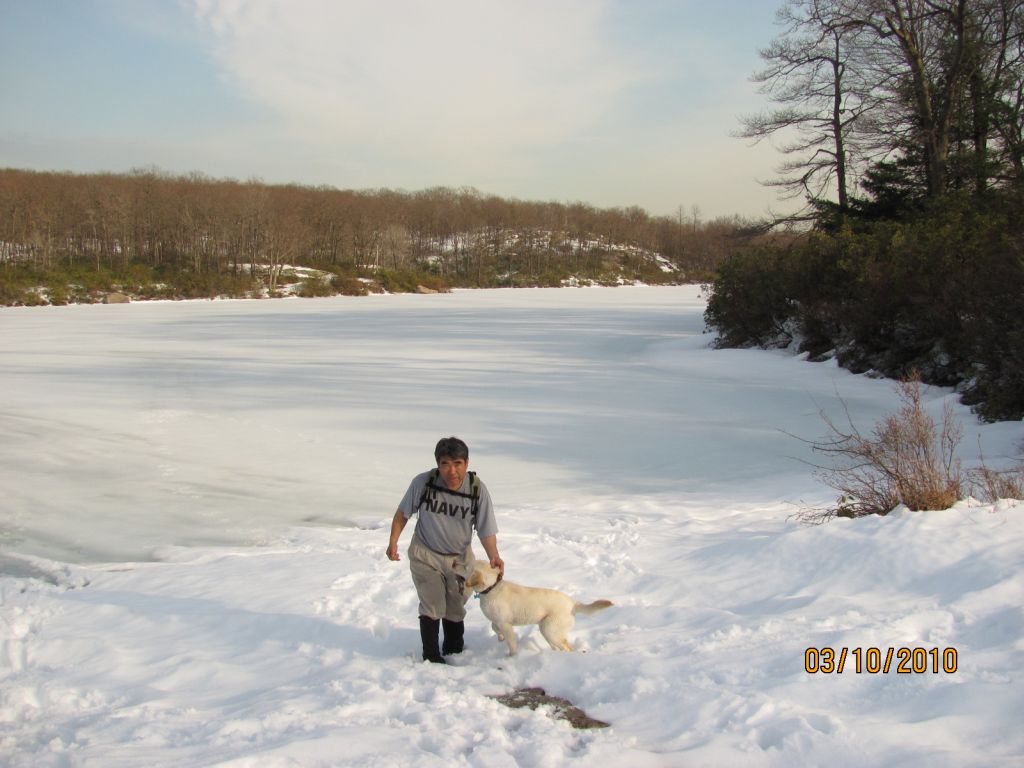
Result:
[594,607]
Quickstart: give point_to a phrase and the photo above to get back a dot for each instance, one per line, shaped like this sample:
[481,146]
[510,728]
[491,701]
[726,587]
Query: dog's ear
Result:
[474,579]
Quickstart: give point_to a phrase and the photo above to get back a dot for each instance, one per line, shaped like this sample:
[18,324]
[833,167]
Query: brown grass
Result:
[990,485]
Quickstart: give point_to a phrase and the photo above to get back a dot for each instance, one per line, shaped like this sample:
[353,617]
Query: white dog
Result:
[510,605]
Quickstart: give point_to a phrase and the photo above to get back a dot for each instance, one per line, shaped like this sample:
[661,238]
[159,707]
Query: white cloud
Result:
[537,99]
[457,83]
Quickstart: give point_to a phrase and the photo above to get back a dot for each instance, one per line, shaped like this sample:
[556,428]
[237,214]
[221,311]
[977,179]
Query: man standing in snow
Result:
[451,502]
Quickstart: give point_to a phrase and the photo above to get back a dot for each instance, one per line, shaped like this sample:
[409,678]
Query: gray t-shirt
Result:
[446,522]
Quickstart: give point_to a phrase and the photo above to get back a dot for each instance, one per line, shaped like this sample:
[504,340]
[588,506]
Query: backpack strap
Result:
[474,492]
[432,485]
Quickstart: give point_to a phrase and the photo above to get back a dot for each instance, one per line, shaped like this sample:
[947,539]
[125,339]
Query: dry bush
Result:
[991,485]
[907,459]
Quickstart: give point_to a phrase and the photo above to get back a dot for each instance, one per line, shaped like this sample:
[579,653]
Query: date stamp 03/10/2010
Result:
[873,661]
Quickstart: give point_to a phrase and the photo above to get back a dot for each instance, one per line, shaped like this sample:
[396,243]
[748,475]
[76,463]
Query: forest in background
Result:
[902,127]
[75,237]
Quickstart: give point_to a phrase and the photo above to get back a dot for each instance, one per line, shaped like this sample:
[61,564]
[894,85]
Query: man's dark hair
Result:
[451,447]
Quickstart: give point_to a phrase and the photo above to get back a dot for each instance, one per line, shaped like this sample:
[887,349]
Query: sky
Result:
[613,103]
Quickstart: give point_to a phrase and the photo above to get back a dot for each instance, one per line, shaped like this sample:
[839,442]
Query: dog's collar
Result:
[485,591]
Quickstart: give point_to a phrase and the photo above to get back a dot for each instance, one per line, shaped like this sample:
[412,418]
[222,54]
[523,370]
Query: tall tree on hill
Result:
[811,77]
[1000,84]
[866,87]
[918,59]
[949,74]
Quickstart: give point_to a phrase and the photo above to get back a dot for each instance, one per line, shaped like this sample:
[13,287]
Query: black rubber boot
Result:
[428,633]
[453,632]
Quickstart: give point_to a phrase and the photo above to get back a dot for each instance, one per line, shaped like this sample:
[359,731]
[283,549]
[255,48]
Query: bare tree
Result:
[935,85]
[811,76]
[998,84]
[919,58]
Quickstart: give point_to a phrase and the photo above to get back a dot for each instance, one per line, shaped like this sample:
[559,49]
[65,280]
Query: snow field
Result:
[196,507]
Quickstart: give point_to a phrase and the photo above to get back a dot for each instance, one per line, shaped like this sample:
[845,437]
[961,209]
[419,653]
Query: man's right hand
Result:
[397,526]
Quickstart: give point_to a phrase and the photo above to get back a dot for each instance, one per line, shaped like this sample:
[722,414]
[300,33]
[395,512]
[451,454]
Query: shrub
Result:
[751,300]
[907,459]
[58,295]
[350,286]
[938,292]
[408,281]
[991,485]
[316,286]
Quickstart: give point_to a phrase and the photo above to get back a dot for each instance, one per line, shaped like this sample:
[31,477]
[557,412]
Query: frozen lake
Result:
[196,501]
[196,422]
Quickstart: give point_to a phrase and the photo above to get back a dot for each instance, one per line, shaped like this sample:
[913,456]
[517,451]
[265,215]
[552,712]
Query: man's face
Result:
[453,471]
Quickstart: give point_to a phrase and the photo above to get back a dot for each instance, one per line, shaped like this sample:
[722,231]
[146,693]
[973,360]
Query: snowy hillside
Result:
[196,506]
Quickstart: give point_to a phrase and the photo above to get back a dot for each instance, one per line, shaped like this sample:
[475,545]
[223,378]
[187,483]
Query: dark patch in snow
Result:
[561,709]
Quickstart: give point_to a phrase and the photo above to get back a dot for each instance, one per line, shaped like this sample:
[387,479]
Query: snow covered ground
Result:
[195,509]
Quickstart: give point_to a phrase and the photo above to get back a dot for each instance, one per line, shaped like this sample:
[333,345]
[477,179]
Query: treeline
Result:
[910,115]
[206,236]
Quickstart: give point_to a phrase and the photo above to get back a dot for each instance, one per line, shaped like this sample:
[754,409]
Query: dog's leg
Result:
[497,631]
[555,631]
[559,643]
[510,638]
